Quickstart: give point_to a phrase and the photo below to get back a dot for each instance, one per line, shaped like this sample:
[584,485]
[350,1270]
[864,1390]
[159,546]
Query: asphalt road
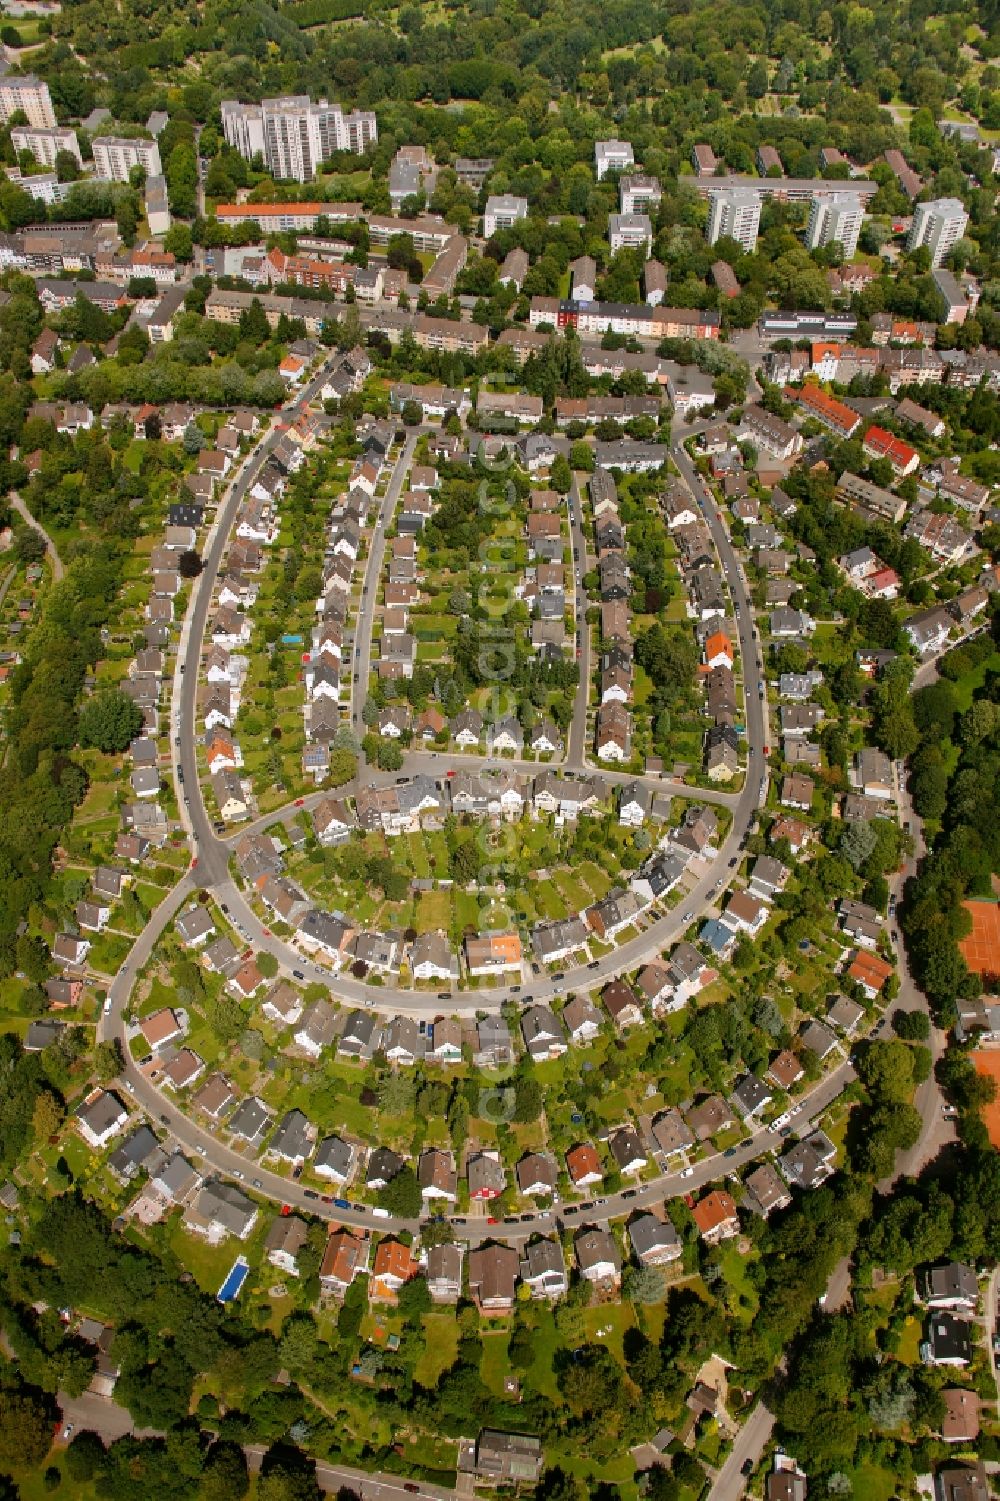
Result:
[50,547]
[110,1421]
[213,1156]
[658,933]
[369,1486]
[213,855]
[749,1444]
[576,745]
[212,869]
[370,589]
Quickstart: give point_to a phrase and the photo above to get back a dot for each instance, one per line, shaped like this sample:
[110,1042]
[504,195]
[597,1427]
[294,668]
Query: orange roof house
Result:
[879,443]
[495,951]
[345,1256]
[584,1165]
[870,971]
[161,1027]
[393,1266]
[222,749]
[716,1216]
[786,1069]
[718,650]
[832,413]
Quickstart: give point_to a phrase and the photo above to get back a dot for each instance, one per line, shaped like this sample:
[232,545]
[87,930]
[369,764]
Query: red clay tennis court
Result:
[981,949]
[987,1062]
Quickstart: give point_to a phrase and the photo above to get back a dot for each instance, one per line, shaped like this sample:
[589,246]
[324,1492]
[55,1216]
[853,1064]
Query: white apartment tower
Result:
[734,212]
[612,156]
[294,135]
[503,211]
[638,194]
[630,231]
[115,156]
[938,225]
[44,145]
[835,216]
[31,95]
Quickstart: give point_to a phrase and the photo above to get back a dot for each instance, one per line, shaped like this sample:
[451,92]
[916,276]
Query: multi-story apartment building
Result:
[115,156]
[630,232]
[32,96]
[734,212]
[294,135]
[612,156]
[638,194]
[833,217]
[503,211]
[45,143]
[938,225]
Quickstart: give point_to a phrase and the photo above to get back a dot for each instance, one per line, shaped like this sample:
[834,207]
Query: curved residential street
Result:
[213,853]
[212,1155]
[210,870]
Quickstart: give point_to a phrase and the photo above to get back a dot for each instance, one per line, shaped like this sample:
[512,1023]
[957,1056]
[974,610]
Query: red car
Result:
[299,801]
[194,862]
[286,1209]
[492,1220]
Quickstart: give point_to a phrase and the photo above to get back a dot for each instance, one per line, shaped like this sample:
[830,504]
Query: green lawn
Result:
[441,1332]
[869,1482]
[495,1366]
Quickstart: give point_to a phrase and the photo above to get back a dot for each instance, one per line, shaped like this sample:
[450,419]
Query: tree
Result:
[193,439]
[189,564]
[886,1070]
[225,1476]
[911,1026]
[179,242]
[560,475]
[47,1116]
[108,1060]
[414,1300]
[401,1195]
[25,1429]
[267,964]
[110,721]
[757,79]
[581,456]
[858,842]
[643,1284]
[29,545]
[389,755]
[528,1100]
[84,1457]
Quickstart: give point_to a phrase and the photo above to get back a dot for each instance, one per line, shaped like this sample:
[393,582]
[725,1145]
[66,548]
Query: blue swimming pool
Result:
[235,1279]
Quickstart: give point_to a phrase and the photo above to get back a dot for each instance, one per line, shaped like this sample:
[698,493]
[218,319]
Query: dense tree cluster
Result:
[960,795]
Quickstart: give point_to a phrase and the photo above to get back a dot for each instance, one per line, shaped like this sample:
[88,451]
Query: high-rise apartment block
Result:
[734,212]
[29,94]
[938,225]
[44,145]
[612,156]
[835,217]
[503,211]
[294,135]
[115,156]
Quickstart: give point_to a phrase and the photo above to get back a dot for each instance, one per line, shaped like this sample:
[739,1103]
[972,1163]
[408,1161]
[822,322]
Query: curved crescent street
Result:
[211,871]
